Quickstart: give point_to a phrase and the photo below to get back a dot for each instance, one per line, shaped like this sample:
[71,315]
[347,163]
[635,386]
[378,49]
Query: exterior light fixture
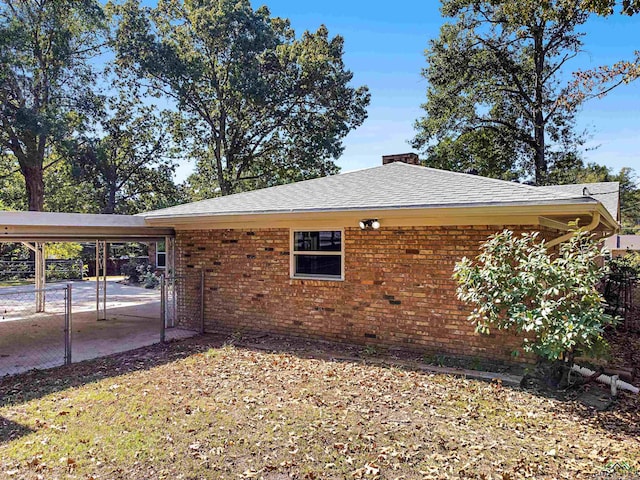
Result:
[370,224]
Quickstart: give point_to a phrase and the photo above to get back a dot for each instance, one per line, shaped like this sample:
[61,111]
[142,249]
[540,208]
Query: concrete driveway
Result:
[36,340]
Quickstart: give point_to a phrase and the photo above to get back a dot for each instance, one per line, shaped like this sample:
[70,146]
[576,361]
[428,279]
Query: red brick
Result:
[248,288]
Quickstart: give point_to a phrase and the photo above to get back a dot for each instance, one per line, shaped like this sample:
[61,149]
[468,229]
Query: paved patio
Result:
[36,340]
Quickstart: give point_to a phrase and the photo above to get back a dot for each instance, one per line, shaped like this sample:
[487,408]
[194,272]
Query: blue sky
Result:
[384,45]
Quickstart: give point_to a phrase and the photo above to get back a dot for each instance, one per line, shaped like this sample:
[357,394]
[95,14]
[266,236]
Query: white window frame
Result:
[293,253]
[164,252]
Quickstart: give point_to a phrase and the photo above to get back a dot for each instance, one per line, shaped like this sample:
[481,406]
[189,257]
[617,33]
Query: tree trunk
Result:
[34,183]
[540,159]
[538,114]
[110,206]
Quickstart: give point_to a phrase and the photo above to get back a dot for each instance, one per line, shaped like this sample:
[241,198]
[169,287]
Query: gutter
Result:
[568,202]
[595,221]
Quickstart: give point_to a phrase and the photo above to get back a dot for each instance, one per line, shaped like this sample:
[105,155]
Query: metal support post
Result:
[163,308]
[41,272]
[202,301]
[169,246]
[68,325]
[97,280]
[105,259]
[101,291]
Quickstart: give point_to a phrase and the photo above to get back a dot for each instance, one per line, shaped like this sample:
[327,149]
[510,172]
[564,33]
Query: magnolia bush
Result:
[516,284]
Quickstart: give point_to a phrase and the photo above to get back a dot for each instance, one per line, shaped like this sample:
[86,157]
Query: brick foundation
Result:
[397,292]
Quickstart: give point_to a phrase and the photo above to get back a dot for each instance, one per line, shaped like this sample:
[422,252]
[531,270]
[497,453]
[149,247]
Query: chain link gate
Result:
[34,335]
[182,303]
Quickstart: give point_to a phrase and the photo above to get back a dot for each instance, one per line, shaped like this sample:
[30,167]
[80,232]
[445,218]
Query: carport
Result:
[35,229]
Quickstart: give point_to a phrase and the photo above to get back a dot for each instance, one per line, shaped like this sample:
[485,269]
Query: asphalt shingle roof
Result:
[391,186]
[607,193]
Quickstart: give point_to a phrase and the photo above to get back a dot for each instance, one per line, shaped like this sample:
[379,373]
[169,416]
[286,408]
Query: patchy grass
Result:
[201,409]
[16,283]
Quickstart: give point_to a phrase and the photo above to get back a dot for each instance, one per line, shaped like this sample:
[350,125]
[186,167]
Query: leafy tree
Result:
[483,152]
[574,170]
[45,80]
[517,284]
[629,200]
[259,106]
[599,81]
[63,191]
[129,166]
[607,7]
[494,76]
[12,193]
[66,250]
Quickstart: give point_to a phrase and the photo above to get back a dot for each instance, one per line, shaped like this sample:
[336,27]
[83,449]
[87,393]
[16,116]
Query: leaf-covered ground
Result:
[201,409]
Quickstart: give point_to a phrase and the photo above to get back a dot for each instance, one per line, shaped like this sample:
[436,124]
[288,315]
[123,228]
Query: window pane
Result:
[326,241]
[160,246]
[161,260]
[319,265]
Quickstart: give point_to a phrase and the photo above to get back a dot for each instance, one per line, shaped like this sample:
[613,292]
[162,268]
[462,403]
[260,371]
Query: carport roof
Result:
[51,226]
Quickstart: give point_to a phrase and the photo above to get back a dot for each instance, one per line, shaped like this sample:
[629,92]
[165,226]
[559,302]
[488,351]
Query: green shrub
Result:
[628,265]
[65,270]
[150,279]
[516,284]
[133,271]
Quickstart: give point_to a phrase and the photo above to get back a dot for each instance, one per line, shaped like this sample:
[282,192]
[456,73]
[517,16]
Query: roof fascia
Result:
[442,216]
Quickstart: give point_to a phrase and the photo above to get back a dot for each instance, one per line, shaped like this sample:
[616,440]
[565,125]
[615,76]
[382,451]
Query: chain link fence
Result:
[182,302]
[55,269]
[31,339]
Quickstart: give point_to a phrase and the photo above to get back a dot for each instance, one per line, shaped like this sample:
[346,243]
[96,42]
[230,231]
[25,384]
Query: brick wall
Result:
[397,291]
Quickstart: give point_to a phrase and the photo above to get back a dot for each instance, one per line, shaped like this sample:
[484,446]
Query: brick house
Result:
[364,257]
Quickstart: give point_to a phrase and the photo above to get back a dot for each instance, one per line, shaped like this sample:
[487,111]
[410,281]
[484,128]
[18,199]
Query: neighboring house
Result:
[361,257]
[620,245]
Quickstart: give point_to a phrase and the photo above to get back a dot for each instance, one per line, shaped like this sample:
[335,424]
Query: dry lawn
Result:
[201,409]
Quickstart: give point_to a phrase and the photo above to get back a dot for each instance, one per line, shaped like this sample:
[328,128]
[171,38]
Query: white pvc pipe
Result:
[606,379]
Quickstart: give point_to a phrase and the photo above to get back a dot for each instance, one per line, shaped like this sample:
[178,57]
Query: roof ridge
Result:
[529,188]
[580,183]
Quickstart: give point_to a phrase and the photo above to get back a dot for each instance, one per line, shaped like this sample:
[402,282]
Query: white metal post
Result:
[101,263]
[97,280]
[202,301]
[41,273]
[68,329]
[174,278]
[170,280]
[163,308]
[104,279]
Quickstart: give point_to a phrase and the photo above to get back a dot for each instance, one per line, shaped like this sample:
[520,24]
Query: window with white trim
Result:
[161,254]
[317,254]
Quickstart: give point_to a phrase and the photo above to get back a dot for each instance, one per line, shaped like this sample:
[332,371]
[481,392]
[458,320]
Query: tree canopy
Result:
[45,80]
[258,105]
[129,164]
[599,81]
[494,87]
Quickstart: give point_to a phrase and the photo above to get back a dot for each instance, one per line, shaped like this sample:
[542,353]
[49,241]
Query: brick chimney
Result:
[410,158]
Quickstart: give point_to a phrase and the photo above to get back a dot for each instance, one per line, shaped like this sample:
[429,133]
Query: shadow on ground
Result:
[10,430]
[622,418]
